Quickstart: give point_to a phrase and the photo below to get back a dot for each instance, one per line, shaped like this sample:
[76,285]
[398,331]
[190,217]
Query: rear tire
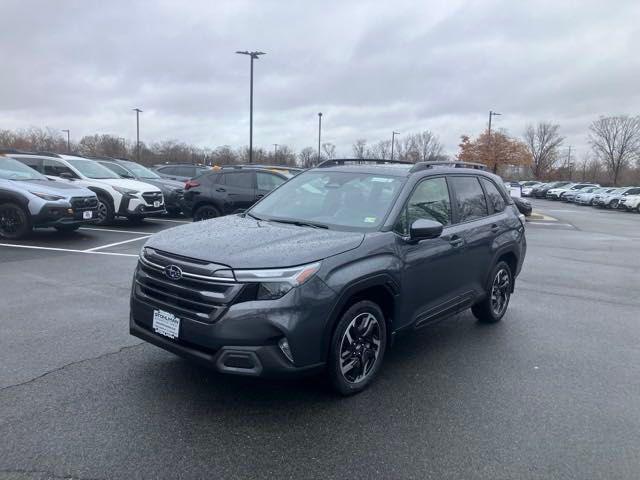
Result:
[494,306]
[14,221]
[357,348]
[105,211]
[205,212]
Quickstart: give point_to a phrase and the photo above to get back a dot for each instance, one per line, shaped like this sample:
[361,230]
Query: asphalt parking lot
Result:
[550,392]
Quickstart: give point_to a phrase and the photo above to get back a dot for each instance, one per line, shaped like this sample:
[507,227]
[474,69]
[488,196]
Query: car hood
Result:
[132,184]
[242,242]
[163,183]
[53,188]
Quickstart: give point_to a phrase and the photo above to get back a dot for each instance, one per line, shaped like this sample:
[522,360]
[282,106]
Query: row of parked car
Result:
[66,191]
[623,198]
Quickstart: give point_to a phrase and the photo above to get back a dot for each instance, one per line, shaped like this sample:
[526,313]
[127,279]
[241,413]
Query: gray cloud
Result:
[370,67]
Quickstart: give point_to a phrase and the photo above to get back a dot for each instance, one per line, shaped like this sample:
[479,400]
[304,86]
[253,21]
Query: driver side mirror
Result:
[423,229]
[67,176]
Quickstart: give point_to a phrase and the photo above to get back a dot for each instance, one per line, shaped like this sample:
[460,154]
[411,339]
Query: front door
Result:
[240,190]
[431,273]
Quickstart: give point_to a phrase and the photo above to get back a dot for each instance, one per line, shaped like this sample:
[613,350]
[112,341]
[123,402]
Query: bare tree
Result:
[382,150]
[307,156]
[427,146]
[329,150]
[359,148]
[543,142]
[616,141]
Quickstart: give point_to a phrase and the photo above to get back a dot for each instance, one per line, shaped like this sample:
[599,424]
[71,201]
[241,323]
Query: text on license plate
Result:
[87,215]
[166,323]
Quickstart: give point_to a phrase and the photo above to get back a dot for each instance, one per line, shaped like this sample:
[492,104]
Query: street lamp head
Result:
[253,55]
[319,114]
[137,110]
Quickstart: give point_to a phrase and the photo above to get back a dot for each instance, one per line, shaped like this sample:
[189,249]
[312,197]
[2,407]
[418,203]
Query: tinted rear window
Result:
[468,198]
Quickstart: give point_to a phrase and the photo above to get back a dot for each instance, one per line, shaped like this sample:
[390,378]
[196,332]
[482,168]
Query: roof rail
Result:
[453,164]
[378,161]
[47,154]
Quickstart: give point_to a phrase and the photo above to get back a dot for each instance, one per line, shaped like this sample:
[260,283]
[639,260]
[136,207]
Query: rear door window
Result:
[469,199]
[35,163]
[494,197]
[242,180]
[186,171]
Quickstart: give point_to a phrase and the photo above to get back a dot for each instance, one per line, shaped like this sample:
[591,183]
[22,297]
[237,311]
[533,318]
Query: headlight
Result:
[48,196]
[126,191]
[276,282]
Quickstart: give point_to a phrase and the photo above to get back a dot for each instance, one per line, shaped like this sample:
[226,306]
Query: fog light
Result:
[70,211]
[284,346]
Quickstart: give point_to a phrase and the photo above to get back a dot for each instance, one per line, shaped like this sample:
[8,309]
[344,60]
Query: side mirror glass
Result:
[423,229]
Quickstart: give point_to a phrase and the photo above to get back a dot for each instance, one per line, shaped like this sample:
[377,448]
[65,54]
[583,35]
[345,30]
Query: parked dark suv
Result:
[324,271]
[226,190]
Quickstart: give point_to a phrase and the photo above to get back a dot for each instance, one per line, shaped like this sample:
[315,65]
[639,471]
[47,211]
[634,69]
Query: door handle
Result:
[220,190]
[455,241]
[260,195]
[495,228]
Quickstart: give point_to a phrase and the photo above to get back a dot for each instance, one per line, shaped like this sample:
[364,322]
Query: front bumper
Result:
[54,214]
[133,206]
[243,338]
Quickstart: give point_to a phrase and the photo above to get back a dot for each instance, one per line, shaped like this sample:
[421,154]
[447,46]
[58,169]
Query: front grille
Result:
[199,297]
[151,197]
[84,203]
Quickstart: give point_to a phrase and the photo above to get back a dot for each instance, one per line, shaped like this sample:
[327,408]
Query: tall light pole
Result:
[124,146]
[253,56]
[275,153]
[319,133]
[393,141]
[138,112]
[68,140]
[491,115]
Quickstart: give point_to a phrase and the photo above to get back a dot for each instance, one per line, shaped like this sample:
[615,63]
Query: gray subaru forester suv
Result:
[28,200]
[323,272]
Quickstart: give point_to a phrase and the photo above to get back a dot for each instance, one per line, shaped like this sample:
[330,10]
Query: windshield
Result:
[139,171]
[339,200]
[11,169]
[91,169]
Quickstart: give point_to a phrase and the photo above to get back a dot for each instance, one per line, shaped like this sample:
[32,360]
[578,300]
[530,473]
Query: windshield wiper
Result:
[253,216]
[299,223]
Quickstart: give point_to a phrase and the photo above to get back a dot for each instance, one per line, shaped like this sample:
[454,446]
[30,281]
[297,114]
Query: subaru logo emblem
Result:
[174,272]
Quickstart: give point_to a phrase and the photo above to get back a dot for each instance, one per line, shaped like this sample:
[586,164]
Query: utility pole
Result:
[68,140]
[393,141]
[275,153]
[569,165]
[253,56]
[495,165]
[138,112]
[319,133]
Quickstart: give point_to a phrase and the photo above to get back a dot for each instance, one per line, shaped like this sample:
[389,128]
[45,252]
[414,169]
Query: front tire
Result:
[105,211]
[357,348]
[14,221]
[494,306]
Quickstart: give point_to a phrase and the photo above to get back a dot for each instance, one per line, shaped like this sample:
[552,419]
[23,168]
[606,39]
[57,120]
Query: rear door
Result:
[240,190]
[477,227]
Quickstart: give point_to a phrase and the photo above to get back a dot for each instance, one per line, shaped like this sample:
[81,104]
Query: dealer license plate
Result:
[166,323]
[156,204]
[87,215]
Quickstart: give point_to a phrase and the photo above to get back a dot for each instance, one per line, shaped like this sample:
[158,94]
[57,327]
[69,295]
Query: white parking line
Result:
[101,247]
[115,231]
[167,220]
[32,247]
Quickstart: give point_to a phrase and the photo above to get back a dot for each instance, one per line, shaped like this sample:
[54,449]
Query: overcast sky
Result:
[370,67]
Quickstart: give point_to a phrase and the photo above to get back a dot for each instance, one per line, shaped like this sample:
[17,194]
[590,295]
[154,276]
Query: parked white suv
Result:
[630,203]
[117,197]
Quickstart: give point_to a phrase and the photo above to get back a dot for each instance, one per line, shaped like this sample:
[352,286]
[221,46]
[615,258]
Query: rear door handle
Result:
[495,228]
[220,190]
